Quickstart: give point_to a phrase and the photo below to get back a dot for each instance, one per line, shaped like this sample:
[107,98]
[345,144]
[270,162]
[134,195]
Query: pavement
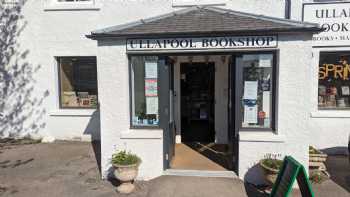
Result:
[70,169]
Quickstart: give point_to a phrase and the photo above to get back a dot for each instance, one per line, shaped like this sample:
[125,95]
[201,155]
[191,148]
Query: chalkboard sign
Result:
[290,171]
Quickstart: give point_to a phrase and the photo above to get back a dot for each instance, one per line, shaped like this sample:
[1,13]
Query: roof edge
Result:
[208,34]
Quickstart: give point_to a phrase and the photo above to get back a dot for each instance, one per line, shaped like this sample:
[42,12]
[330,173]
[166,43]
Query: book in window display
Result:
[333,90]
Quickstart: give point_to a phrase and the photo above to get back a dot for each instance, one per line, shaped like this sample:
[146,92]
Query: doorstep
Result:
[200,173]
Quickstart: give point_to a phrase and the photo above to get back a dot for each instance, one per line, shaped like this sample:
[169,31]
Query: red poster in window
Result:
[261,114]
[151,87]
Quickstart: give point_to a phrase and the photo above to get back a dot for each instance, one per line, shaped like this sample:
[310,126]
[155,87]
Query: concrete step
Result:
[200,173]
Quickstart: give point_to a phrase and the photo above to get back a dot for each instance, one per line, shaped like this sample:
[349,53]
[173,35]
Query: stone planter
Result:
[126,175]
[270,174]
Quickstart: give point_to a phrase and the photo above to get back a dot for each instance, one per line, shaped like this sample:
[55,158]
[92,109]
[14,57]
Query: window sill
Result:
[73,112]
[70,6]
[331,114]
[142,134]
[261,136]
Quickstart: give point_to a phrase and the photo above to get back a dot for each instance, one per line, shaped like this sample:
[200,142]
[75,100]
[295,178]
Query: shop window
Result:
[78,82]
[333,80]
[257,110]
[144,90]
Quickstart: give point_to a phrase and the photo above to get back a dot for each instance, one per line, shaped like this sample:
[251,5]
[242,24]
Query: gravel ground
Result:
[67,169]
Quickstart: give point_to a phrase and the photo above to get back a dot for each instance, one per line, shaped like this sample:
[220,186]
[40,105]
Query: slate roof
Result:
[204,20]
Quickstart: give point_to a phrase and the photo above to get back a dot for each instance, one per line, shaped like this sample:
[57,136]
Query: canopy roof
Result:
[204,21]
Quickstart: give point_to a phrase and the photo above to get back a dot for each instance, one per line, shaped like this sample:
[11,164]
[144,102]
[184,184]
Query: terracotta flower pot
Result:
[126,175]
[270,174]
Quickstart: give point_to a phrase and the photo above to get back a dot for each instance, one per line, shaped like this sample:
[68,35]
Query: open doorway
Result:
[197,102]
[201,103]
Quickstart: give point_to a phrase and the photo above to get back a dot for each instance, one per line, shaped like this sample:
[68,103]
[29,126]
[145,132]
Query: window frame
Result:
[58,66]
[325,109]
[131,94]
[274,93]
[238,116]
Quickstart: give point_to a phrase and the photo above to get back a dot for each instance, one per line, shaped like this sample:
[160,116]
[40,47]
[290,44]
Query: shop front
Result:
[330,78]
[204,89]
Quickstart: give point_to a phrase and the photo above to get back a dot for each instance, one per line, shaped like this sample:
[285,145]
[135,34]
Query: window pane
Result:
[78,82]
[256,98]
[333,83]
[145,101]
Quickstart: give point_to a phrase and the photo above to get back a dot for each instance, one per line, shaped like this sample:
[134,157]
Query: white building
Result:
[235,77]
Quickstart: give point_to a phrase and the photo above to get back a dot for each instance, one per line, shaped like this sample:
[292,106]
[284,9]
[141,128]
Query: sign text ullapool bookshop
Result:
[201,43]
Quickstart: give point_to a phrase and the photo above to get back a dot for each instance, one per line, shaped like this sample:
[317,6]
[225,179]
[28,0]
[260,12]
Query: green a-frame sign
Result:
[291,170]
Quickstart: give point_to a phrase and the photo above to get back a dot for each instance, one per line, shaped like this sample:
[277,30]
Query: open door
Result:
[167,123]
[233,103]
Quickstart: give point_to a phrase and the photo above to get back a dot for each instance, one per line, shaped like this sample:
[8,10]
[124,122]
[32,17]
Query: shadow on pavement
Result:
[96,145]
[338,167]
[254,191]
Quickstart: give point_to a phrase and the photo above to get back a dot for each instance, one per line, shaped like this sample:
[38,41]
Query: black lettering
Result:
[176,45]
[205,43]
[326,27]
[158,44]
[241,42]
[319,13]
[192,45]
[165,43]
[232,42]
[335,27]
[269,40]
[148,44]
[214,42]
[223,42]
[141,44]
[343,13]
[344,27]
[184,43]
[131,44]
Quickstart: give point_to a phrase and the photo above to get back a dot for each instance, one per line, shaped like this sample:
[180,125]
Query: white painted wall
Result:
[113,76]
[293,126]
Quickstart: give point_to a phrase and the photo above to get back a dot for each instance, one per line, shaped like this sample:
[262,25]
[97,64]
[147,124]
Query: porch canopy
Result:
[204,21]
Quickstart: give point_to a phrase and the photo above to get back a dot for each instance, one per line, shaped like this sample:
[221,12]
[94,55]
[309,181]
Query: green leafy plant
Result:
[271,161]
[317,176]
[124,158]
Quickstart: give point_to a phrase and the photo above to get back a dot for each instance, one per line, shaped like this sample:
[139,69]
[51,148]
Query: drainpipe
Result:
[287,9]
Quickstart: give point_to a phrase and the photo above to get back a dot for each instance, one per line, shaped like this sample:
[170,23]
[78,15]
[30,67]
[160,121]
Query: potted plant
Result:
[270,166]
[125,170]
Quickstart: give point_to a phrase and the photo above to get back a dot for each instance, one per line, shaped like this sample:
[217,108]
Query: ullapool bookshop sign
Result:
[334,18]
[201,43]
